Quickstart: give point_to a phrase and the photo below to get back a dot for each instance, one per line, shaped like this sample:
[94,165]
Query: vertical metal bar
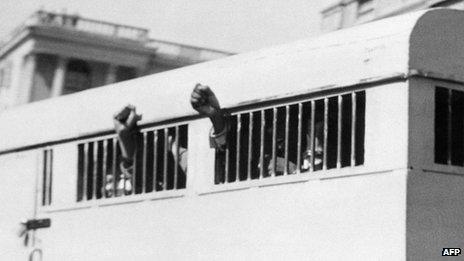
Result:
[50,176]
[95,170]
[353,129]
[261,144]
[104,168]
[312,141]
[165,159]
[339,132]
[237,160]
[114,165]
[274,141]
[86,169]
[144,158]
[176,157]
[298,152]
[450,127]
[287,123]
[326,132]
[226,178]
[155,159]
[134,172]
[45,178]
[250,142]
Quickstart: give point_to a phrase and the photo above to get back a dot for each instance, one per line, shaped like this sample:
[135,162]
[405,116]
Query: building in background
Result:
[53,54]
[347,13]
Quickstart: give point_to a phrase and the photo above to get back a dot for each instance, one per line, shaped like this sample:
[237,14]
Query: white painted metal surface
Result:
[373,51]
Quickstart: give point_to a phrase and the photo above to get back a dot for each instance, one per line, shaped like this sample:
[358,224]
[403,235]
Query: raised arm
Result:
[205,102]
[125,125]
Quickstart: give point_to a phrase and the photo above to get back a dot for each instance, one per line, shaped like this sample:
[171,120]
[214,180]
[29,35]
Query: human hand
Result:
[204,101]
[125,125]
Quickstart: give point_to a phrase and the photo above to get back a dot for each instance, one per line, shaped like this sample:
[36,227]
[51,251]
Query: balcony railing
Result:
[198,54]
[77,23]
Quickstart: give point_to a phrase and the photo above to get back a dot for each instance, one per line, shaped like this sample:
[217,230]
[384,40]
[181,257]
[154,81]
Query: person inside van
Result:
[130,143]
[205,102]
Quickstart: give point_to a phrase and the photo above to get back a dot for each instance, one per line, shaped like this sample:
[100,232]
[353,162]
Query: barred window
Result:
[449,126]
[47,176]
[160,164]
[313,135]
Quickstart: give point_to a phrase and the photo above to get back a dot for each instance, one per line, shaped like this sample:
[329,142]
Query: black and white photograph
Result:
[231,130]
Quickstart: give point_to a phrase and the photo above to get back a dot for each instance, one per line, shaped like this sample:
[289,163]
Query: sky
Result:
[229,25]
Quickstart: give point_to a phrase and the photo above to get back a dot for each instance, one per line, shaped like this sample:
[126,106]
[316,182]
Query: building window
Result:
[78,77]
[5,76]
[449,126]
[309,136]
[160,165]
[47,176]
[124,73]
[365,7]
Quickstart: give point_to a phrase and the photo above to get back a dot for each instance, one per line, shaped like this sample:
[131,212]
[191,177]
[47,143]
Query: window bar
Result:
[176,157]
[339,133]
[49,172]
[45,178]
[326,131]
[50,175]
[312,141]
[298,153]
[261,144]
[86,169]
[274,141]
[237,160]
[226,178]
[114,165]
[155,158]
[104,167]
[133,174]
[353,129]
[95,170]
[287,122]
[250,141]
[449,127]
[165,159]
[144,158]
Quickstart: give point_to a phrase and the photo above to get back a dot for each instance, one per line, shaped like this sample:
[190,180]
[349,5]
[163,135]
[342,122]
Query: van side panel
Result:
[18,182]
[349,218]
[435,214]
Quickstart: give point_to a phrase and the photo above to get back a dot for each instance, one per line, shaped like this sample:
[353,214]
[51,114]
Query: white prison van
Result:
[381,104]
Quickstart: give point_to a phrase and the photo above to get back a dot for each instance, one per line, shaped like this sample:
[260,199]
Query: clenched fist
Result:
[204,101]
[125,125]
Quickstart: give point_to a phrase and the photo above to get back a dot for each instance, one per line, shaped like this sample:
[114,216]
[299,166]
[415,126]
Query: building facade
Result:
[347,13]
[54,54]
